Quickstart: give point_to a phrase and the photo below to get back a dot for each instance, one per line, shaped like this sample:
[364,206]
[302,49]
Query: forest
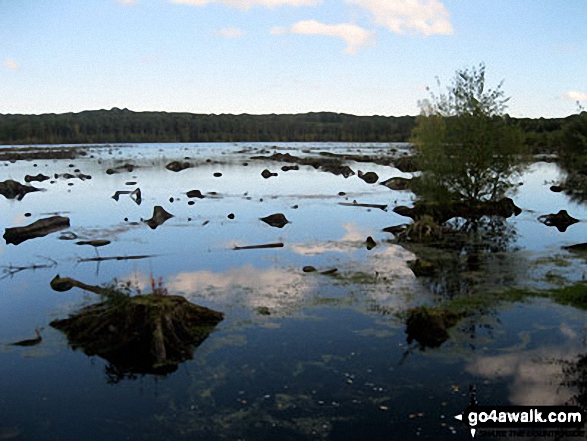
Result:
[123,125]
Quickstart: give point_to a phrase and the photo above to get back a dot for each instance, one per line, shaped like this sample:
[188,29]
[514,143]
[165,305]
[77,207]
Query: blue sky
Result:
[363,57]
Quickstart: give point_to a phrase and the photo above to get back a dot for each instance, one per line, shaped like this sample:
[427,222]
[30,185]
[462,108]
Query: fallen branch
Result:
[356,204]
[11,270]
[101,259]
[255,247]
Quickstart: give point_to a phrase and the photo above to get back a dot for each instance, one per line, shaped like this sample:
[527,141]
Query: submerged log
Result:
[256,247]
[40,228]
[356,204]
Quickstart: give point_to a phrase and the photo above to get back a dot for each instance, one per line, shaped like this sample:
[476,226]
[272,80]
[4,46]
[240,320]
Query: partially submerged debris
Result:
[127,167]
[407,164]
[577,247]
[308,269]
[40,228]
[30,342]
[135,195]
[442,212]
[395,229]
[369,177]
[255,247]
[11,189]
[424,229]
[277,220]
[96,243]
[328,163]
[149,333]
[195,194]
[561,220]
[177,166]
[102,259]
[62,284]
[397,183]
[39,178]
[370,243]
[356,204]
[159,217]
[11,270]
[329,272]
[267,174]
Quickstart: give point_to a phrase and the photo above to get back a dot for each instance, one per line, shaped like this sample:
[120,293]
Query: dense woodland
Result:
[116,126]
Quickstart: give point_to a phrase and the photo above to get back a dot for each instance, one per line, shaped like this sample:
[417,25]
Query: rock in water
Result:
[40,178]
[40,228]
[561,220]
[277,220]
[397,183]
[195,194]
[11,189]
[267,174]
[158,218]
[177,166]
[369,177]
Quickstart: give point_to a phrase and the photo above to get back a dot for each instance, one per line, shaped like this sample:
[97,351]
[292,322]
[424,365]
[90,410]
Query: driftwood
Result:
[102,259]
[356,204]
[62,284]
[255,247]
[40,228]
[11,270]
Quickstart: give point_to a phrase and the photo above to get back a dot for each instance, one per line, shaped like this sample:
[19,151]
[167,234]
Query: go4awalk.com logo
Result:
[536,420]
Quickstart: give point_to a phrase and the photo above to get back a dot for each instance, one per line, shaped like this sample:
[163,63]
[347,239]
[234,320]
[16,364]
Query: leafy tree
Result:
[467,149]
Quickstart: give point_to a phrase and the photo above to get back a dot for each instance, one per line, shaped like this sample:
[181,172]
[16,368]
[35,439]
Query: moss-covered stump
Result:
[140,334]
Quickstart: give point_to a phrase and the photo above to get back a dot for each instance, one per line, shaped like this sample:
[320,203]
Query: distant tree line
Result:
[117,126]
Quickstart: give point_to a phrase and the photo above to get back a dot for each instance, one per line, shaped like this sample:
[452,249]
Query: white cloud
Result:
[128,2]
[230,33]
[355,36]
[426,17]
[532,376]
[9,63]
[247,4]
[575,95]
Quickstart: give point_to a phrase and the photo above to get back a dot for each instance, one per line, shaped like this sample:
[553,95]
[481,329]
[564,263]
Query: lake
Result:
[321,355]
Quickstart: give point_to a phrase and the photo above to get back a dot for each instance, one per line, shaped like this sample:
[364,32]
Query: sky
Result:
[363,57]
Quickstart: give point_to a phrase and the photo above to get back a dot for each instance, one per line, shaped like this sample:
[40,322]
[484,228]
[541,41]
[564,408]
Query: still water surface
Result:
[298,355]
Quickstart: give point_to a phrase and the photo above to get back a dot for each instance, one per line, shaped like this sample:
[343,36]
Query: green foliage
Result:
[468,151]
[575,135]
[116,125]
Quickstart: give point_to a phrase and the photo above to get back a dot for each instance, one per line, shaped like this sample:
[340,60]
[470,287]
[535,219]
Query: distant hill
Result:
[117,126]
